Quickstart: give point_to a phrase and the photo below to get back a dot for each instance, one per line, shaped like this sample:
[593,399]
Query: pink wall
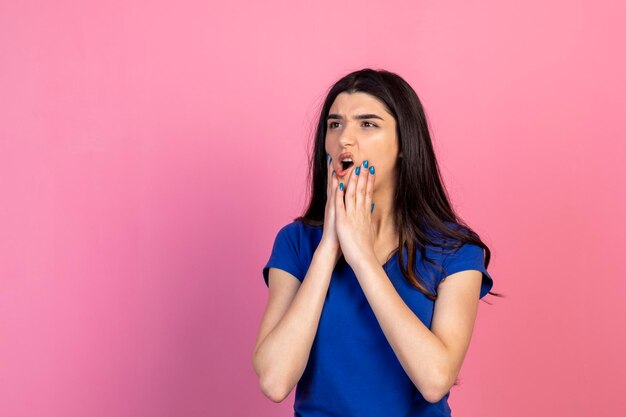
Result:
[149,152]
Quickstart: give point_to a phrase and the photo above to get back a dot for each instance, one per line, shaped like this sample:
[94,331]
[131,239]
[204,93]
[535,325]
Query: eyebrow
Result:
[355,117]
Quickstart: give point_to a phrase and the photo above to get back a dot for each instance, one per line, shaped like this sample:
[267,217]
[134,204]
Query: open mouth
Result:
[345,167]
[346,164]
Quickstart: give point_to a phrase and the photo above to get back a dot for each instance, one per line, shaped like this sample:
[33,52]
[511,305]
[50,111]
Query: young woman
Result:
[373,293]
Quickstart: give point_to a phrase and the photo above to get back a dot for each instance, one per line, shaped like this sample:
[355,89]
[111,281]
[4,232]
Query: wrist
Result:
[364,264]
[328,251]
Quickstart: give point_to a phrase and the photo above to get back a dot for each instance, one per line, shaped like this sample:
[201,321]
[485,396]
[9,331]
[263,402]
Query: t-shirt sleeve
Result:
[285,253]
[467,257]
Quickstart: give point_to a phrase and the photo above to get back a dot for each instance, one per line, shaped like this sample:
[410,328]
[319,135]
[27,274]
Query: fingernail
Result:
[372,209]
[372,169]
[327,156]
[333,173]
[365,163]
[341,186]
[357,170]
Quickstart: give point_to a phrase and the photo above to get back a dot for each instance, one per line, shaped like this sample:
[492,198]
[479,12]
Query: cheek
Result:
[327,146]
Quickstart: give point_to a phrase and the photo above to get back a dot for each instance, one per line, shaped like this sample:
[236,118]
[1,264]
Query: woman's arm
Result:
[431,359]
[281,356]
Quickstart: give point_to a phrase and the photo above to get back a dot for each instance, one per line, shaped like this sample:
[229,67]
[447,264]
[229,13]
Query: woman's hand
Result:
[329,235]
[353,217]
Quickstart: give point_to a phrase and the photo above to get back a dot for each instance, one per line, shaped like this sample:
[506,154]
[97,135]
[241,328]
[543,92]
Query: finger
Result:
[350,190]
[334,183]
[360,187]
[329,167]
[369,190]
[340,207]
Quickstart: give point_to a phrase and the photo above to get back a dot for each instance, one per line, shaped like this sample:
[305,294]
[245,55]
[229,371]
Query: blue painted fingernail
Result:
[327,156]
[372,170]
[341,186]
[333,173]
[372,209]
[357,170]
[365,163]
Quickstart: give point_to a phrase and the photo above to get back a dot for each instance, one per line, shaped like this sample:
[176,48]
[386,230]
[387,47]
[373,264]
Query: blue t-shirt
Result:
[352,369]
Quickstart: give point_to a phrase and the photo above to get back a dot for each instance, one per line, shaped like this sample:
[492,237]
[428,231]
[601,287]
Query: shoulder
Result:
[440,236]
[293,249]
[302,237]
[457,250]
[299,230]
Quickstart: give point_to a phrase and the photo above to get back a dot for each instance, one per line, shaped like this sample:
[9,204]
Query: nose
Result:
[347,138]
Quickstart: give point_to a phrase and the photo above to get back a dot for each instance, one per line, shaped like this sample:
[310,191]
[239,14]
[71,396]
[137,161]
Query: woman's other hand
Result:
[353,218]
[329,235]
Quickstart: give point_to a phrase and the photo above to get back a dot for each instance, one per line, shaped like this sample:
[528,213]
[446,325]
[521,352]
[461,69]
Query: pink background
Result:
[150,151]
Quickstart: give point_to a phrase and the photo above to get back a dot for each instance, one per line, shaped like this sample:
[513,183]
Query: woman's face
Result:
[359,125]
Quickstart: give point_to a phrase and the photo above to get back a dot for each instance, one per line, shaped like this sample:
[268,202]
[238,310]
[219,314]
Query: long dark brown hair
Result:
[422,209]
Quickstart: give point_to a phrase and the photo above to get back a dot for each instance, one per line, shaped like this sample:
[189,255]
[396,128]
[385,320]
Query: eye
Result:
[331,124]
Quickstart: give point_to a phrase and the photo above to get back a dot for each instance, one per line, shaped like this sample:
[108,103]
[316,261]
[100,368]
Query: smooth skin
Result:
[432,358]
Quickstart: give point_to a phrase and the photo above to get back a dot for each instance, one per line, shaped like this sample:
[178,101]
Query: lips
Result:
[344,155]
[340,171]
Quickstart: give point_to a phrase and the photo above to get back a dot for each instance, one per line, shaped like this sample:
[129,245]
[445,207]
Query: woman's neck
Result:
[383,219]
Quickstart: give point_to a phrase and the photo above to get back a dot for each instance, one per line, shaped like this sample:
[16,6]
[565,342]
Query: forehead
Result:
[349,103]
